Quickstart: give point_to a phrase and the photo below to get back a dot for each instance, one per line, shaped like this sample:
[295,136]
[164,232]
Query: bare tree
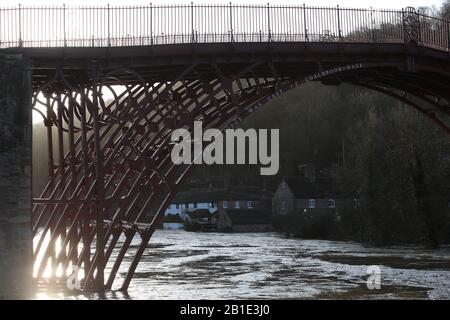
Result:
[445,9]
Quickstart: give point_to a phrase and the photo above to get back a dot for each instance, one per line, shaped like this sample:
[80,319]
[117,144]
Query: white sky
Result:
[395,4]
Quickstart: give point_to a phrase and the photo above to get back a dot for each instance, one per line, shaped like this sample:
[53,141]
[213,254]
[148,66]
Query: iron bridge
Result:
[111,83]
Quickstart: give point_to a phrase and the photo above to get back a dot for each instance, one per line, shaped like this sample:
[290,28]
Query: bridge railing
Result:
[434,32]
[172,24]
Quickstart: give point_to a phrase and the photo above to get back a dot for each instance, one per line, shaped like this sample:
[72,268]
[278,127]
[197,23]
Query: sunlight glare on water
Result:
[185,265]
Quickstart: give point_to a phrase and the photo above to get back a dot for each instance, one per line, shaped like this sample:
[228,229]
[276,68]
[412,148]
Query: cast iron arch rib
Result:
[109,112]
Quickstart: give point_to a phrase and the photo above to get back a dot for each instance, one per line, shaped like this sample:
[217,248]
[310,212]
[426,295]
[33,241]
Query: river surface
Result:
[186,265]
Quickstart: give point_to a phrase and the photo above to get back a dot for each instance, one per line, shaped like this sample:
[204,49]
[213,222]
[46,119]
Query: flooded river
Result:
[186,265]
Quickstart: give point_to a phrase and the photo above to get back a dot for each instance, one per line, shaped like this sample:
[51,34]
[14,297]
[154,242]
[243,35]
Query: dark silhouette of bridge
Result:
[112,83]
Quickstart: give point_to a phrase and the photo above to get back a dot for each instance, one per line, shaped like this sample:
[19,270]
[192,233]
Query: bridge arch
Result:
[109,154]
[126,140]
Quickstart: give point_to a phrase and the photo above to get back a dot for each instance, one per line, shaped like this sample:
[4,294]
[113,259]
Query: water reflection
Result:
[184,265]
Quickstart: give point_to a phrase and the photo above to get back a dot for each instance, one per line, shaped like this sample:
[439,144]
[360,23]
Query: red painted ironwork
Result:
[109,114]
[115,169]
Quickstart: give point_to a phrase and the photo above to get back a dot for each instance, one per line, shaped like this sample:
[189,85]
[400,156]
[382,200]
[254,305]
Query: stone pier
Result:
[15,178]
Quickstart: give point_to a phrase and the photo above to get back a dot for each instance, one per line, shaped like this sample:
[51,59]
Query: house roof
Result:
[322,188]
[241,193]
[248,216]
[197,196]
[302,188]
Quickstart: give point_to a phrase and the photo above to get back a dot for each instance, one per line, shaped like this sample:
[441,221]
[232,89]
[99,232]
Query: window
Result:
[176,206]
[311,203]
[195,206]
[331,203]
[250,204]
[225,204]
[356,203]
[237,204]
[283,204]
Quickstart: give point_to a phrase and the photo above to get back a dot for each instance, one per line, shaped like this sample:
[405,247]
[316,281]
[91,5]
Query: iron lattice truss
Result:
[108,134]
[110,110]
[110,172]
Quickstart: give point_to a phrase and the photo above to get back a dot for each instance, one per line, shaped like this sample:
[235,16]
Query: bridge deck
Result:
[157,63]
